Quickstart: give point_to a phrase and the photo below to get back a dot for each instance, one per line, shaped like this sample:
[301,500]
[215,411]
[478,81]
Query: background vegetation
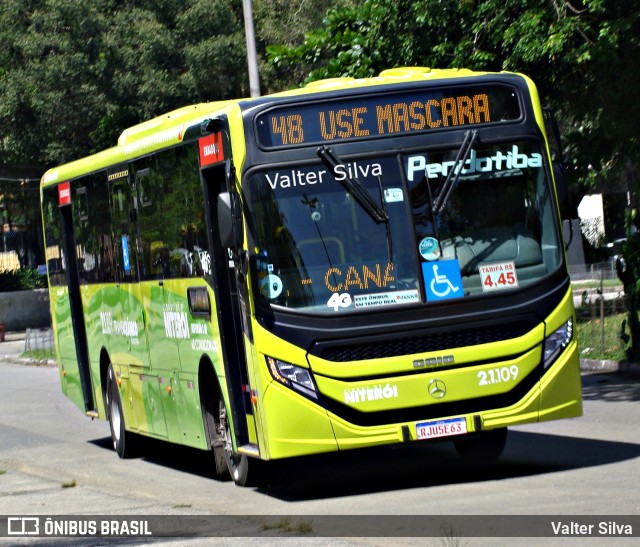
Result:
[18,280]
[74,74]
[599,338]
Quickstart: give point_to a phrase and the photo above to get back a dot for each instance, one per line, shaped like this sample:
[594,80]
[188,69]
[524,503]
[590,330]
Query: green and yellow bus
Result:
[355,263]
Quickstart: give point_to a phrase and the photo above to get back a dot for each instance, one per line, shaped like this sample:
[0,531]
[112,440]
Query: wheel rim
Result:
[225,435]
[116,421]
[224,431]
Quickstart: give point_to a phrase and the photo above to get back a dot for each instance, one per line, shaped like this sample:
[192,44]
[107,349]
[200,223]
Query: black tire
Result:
[244,471]
[124,442]
[483,447]
[216,439]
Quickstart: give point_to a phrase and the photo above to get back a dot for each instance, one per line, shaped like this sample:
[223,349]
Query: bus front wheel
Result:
[123,440]
[483,446]
[217,438]
[244,471]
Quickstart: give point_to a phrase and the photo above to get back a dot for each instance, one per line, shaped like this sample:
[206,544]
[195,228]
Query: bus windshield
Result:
[477,228]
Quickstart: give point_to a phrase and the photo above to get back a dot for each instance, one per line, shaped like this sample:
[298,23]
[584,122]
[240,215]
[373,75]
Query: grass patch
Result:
[69,484]
[595,284]
[287,525]
[600,338]
[39,354]
[2,471]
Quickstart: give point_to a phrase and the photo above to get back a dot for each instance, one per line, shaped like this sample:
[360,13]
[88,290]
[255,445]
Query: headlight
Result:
[296,378]
[556,342]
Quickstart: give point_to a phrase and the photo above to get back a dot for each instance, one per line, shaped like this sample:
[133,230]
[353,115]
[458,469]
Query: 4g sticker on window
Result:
[338,301]
[368,300]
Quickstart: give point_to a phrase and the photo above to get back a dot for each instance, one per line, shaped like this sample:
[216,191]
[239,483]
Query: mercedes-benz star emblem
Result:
[437,389]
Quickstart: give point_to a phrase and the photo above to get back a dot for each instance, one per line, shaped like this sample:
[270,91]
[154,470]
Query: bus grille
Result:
[376,348]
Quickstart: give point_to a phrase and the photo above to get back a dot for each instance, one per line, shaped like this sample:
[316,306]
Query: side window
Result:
[83,231]
[53,237]
[123,215]
[92,223]
[154,252]
[170,214]
[100,220]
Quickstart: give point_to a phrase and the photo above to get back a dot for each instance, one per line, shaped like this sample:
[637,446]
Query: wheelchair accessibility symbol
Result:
[442,280]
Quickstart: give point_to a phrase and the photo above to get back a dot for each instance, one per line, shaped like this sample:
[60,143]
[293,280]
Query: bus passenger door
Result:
[129,347]
[231,293]
[75,302]
[155,267]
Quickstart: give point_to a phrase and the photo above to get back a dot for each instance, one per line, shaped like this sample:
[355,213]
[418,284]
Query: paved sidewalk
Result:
[12,336]
[15,344]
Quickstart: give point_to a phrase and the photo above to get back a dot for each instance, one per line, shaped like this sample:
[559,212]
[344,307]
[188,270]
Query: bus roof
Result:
[146,137]
[168,129]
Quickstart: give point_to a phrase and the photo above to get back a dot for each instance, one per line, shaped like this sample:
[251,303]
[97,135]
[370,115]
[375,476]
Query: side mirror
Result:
[230,225]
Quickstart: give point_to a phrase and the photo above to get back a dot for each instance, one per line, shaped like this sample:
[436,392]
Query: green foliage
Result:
[583,55]
[285,22]
[20,280]
[74,74]
[351,42]
[629,272]
[39,356]
[599,338]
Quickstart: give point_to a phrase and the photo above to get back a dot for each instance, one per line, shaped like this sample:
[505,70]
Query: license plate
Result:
[441,428]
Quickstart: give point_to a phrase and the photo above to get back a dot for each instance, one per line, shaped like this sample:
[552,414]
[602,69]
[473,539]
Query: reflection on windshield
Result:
[497,229]
[315,249]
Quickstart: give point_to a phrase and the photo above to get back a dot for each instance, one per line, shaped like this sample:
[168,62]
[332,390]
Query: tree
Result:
[74,74]
[583,54]
[577,52]
[44,53]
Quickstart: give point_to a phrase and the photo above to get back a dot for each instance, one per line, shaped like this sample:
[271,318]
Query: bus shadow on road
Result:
[405,467]
[393,468]
[170,455]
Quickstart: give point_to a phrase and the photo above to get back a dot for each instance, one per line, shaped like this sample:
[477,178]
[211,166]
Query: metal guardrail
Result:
[39,340]
[596,272]
[597,290]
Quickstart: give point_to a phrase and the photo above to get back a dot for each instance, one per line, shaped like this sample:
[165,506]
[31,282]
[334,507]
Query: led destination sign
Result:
[368,116]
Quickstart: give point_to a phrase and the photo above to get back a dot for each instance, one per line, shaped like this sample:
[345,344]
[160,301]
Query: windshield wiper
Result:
[440,201]
[353,186]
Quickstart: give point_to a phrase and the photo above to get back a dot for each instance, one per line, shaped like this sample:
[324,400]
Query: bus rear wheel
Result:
[123,440]
[484,446]
[244,471]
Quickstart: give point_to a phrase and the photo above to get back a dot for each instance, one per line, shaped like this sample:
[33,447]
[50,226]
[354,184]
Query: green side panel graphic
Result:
[65,346]
[156,346]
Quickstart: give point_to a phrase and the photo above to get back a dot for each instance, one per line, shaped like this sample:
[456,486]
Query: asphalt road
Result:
[53,460]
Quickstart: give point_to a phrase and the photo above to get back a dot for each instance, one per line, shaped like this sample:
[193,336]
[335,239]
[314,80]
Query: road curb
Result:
[603,366]
[28,362]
